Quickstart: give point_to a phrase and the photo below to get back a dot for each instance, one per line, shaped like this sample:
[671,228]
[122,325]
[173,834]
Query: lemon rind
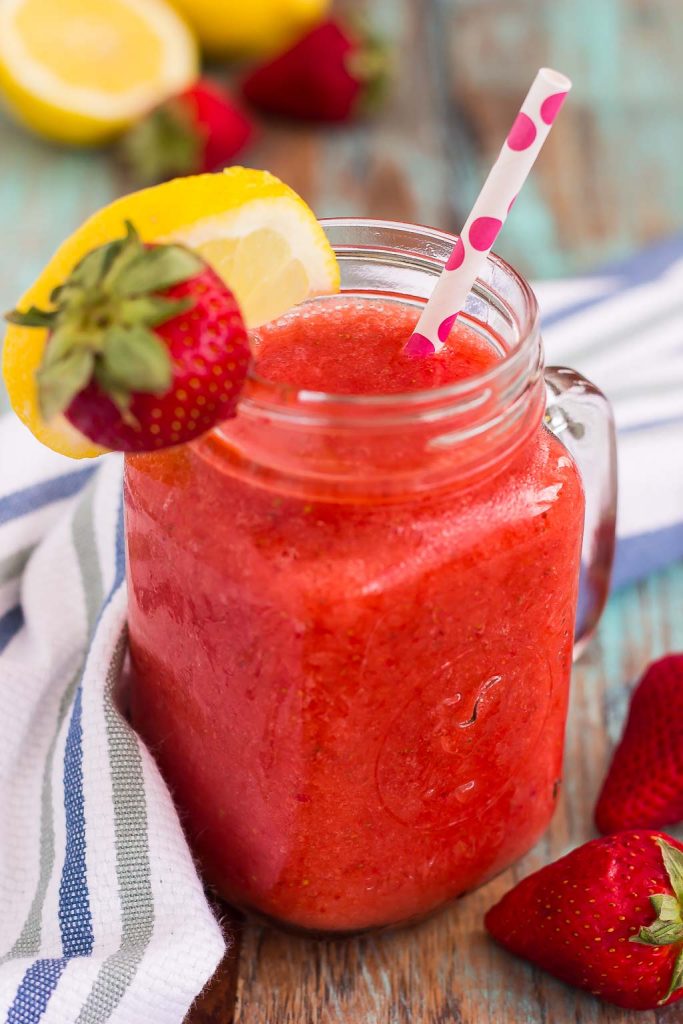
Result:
[36,82]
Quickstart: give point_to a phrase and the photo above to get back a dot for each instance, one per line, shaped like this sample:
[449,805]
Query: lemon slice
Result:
[269,253]
[80,70]
[257,233]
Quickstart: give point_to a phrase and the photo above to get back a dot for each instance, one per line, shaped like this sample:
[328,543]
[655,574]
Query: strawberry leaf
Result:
[165,144]
[673,862]
[90,271]
[136,360]
[152,310]
[119,396]
[661,933]
[668,928]
[32,317]
[156,269]
[667,908]
[676,979]
[63,341]
[60,382]
[124,252]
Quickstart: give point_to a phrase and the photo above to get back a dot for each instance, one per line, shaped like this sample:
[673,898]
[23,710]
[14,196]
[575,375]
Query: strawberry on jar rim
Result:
[146,346]
[644,785]
[606,918]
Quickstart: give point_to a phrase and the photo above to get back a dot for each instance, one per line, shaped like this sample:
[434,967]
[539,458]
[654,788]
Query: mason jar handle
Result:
[581,418]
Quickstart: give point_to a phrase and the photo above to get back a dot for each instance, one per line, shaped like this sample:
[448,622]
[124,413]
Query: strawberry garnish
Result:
[330,74]
[199,130]
[146,346]
[606,918]
[644,786]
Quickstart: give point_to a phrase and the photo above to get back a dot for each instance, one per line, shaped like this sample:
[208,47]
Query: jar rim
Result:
[282,399]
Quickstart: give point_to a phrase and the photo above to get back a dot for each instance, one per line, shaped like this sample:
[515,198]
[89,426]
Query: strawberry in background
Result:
[332,73]
[201,129]
[644,785]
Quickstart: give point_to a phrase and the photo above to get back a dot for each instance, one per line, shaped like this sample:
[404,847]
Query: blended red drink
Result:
[351,618]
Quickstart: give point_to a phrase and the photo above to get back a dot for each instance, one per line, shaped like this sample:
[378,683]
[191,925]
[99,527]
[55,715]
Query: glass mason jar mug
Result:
[352,618]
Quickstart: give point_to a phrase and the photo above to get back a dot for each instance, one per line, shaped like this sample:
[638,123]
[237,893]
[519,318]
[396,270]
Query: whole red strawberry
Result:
[199,130]
[606,918]
[146,347]
[644,786]
[328,75]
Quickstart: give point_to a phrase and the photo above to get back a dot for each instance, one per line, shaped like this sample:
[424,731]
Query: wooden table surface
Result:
[609,181]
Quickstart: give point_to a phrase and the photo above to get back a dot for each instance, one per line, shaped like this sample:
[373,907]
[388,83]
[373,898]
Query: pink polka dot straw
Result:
[508,174]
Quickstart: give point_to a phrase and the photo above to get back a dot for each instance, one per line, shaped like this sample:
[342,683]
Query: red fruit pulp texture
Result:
[359,704]
[360,352]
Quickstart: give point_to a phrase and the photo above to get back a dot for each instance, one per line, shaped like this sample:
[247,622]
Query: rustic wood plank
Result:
[216,1003]
[611,172]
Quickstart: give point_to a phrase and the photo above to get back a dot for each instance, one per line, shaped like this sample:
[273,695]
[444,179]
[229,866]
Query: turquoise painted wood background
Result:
[609,181]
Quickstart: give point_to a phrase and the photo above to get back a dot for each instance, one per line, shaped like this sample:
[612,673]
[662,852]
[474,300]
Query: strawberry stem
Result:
[673,862]
[165,144]
[102,325]
[667,928]
[369,63]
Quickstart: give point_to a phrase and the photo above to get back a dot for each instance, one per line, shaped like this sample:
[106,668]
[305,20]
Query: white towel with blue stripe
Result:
[624,331]
[103,915]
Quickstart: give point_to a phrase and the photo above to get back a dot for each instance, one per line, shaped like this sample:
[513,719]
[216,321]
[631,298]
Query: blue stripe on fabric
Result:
[41,980]
[10,624]
[648,265]
[75,917]
[548,319]
[120,564]
[666,421]
[638,556]
[19,503]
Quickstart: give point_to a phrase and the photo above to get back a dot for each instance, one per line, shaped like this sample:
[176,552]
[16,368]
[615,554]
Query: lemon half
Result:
[79,71]
[256,232]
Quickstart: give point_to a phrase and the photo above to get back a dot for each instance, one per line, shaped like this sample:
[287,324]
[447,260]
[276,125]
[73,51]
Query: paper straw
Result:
[508,174]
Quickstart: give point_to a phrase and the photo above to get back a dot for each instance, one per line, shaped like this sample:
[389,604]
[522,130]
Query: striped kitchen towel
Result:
[624,331]
[103,916]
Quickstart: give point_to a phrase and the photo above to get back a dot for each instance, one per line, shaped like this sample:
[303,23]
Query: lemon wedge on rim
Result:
[255,231]
[79,71]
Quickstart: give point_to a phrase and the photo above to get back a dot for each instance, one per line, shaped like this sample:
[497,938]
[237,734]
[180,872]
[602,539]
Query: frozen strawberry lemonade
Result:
[352,572]
[356,691]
